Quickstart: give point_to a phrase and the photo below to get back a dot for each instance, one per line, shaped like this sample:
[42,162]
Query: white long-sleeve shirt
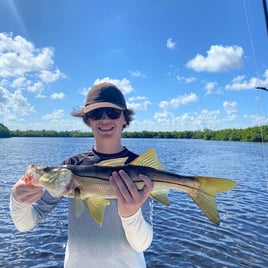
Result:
[118,242]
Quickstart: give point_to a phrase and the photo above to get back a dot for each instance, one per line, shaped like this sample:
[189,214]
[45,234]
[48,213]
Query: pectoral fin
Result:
[161,196]
[96,207]
[78,207]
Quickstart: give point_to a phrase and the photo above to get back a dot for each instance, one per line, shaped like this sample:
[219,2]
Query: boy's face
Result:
[107,128]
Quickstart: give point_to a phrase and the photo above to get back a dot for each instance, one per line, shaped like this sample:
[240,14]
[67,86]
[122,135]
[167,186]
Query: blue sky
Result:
[182,65]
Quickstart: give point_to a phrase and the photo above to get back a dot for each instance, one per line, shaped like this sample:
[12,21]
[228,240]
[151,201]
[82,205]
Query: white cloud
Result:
[18,44]
[178,101]
[20,104]
[14,103]
[240,82]
[138,98]
[257,120]
[136,74]
[49,76]
[163,117]
[37,87]
[19,57]
[142,125]
[188,121]
[139,106]
[139,103]
[23,67]
[230,107]
[186,80]
[57,96]
[4,98]
[124,85]
[211,88]
[58,114]
[21,63]
[170,44]
[19,82]
[219,58]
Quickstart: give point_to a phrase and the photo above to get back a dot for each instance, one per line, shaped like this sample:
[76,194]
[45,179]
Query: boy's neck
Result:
[108,148]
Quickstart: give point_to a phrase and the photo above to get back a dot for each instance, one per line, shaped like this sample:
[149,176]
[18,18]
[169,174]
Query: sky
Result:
[181,64]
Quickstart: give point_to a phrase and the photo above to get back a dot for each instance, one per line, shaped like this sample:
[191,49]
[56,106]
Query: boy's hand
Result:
[130,199]
[24,193]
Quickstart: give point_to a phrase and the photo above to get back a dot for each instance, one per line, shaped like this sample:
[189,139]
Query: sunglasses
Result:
[111,113]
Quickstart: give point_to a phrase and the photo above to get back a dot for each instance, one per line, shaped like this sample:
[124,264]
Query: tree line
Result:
[4,131]
[251,134]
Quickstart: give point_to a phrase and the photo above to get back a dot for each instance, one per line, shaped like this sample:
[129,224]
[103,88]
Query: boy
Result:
[126,230]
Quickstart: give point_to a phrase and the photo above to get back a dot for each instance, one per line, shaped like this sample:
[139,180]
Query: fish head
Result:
[57,180]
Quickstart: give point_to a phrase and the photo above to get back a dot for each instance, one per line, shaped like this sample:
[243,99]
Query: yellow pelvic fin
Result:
[161,196]
[96,207]
[148,159]
[205,196]
[115,162]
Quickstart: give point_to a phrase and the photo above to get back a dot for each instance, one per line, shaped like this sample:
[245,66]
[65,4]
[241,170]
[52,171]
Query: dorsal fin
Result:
[115,162]
[148,159]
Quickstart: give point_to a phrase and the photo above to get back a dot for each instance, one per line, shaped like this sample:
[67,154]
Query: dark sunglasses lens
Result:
[97,114]
[113,113]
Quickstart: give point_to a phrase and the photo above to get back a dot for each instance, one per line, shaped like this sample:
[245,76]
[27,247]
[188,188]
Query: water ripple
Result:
[183,236]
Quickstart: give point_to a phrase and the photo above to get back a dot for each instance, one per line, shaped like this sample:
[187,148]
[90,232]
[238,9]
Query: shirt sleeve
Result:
[27,216]
[139,232]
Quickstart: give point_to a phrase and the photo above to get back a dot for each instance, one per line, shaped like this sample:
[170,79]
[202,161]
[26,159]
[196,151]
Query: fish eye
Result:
[77,190]
[47,169]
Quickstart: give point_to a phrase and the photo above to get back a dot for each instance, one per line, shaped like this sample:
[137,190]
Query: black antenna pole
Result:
[265,14]
[262,88]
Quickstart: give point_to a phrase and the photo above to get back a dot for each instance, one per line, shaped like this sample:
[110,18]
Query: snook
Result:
[91,183]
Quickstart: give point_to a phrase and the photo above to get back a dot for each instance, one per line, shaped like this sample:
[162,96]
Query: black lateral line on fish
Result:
[78,169]
[178,183]
[184,185]
[91,177]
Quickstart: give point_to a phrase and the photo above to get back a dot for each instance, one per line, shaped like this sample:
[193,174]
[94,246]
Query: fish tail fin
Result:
[205,197]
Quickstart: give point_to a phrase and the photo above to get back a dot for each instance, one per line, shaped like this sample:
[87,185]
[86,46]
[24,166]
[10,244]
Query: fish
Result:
[90,187]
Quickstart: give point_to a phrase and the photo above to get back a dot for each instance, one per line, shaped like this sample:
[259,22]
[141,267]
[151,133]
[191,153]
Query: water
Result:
[183,237]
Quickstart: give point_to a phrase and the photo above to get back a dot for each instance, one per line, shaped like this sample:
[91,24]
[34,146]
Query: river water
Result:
[183,237]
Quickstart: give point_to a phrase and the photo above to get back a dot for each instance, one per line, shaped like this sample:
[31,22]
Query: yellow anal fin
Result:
[96,207]
[161,196]
[148,159]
